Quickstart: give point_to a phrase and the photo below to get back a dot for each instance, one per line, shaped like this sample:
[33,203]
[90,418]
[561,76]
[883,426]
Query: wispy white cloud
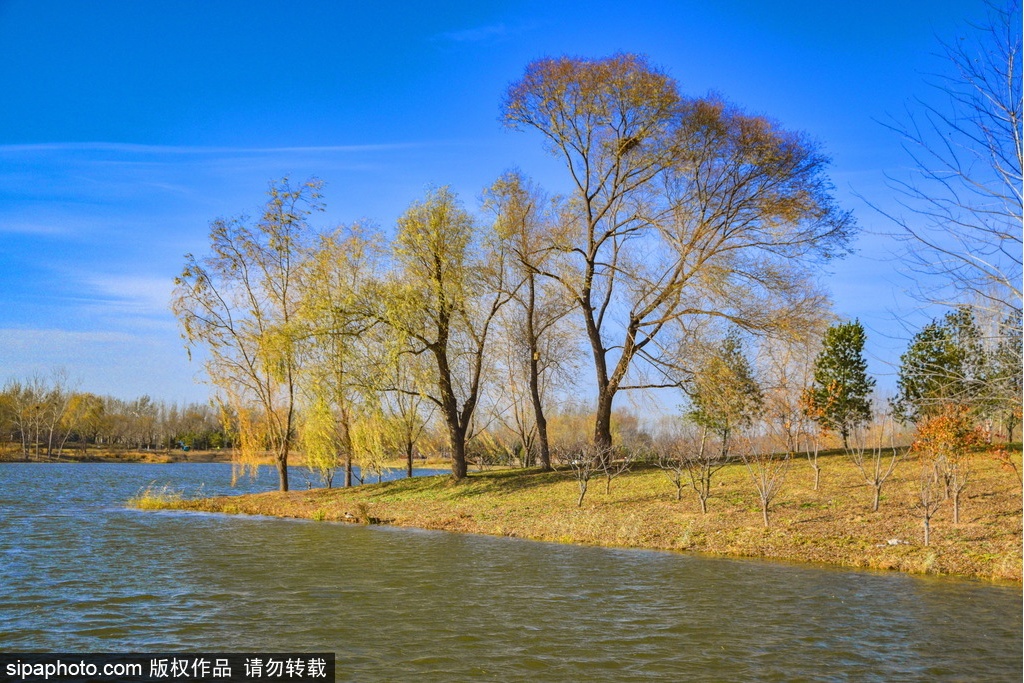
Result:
[33,229]
[42,339]
[489,33]
[130,294]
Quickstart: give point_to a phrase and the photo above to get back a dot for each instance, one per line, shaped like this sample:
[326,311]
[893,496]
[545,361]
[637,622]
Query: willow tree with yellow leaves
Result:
[339,353]
[441,299]
[239,307]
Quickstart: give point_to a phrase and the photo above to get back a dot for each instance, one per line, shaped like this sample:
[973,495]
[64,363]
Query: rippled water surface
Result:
[79,572]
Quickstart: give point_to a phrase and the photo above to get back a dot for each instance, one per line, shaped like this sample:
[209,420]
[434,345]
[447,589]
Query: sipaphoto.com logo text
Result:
[61,669]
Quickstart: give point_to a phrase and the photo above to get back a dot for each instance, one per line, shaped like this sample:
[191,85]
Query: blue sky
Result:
[126,127]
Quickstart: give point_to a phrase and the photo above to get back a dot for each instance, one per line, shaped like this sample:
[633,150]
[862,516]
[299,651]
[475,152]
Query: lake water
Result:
[79,572]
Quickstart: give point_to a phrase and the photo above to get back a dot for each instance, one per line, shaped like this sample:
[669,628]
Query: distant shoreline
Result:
[98,456]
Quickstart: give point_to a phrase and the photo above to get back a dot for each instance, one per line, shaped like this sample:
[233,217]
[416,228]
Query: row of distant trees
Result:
[41,417]
[959,387]
[45,417]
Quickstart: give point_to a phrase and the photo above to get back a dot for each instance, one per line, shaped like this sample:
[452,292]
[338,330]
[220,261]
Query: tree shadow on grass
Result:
[505,481]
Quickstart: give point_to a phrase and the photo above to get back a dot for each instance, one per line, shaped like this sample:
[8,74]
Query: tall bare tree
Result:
[528,221]
[680,208]
[240,304]
[964,198]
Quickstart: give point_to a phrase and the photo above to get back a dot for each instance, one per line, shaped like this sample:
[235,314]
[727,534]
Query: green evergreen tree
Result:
[839,398]
[944,364]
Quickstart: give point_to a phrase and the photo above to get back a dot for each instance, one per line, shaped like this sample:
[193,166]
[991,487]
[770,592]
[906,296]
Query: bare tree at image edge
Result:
[965,196]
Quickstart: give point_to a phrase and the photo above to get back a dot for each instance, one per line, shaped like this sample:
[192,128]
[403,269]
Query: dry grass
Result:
[833,525]
[152,498]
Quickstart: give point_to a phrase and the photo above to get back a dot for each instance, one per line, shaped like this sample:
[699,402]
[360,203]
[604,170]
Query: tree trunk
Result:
[956,506]
[538,406]
[24,441]
[605,389]
[457,421]
[282,471]
[282,466]
[583,492]
[408,459]
[764,513]
[878,493]
[603,421]
[346,441]
[460,468]
[541,420]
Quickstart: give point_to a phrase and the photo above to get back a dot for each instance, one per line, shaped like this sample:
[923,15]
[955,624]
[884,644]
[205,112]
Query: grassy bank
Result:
[833,525]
